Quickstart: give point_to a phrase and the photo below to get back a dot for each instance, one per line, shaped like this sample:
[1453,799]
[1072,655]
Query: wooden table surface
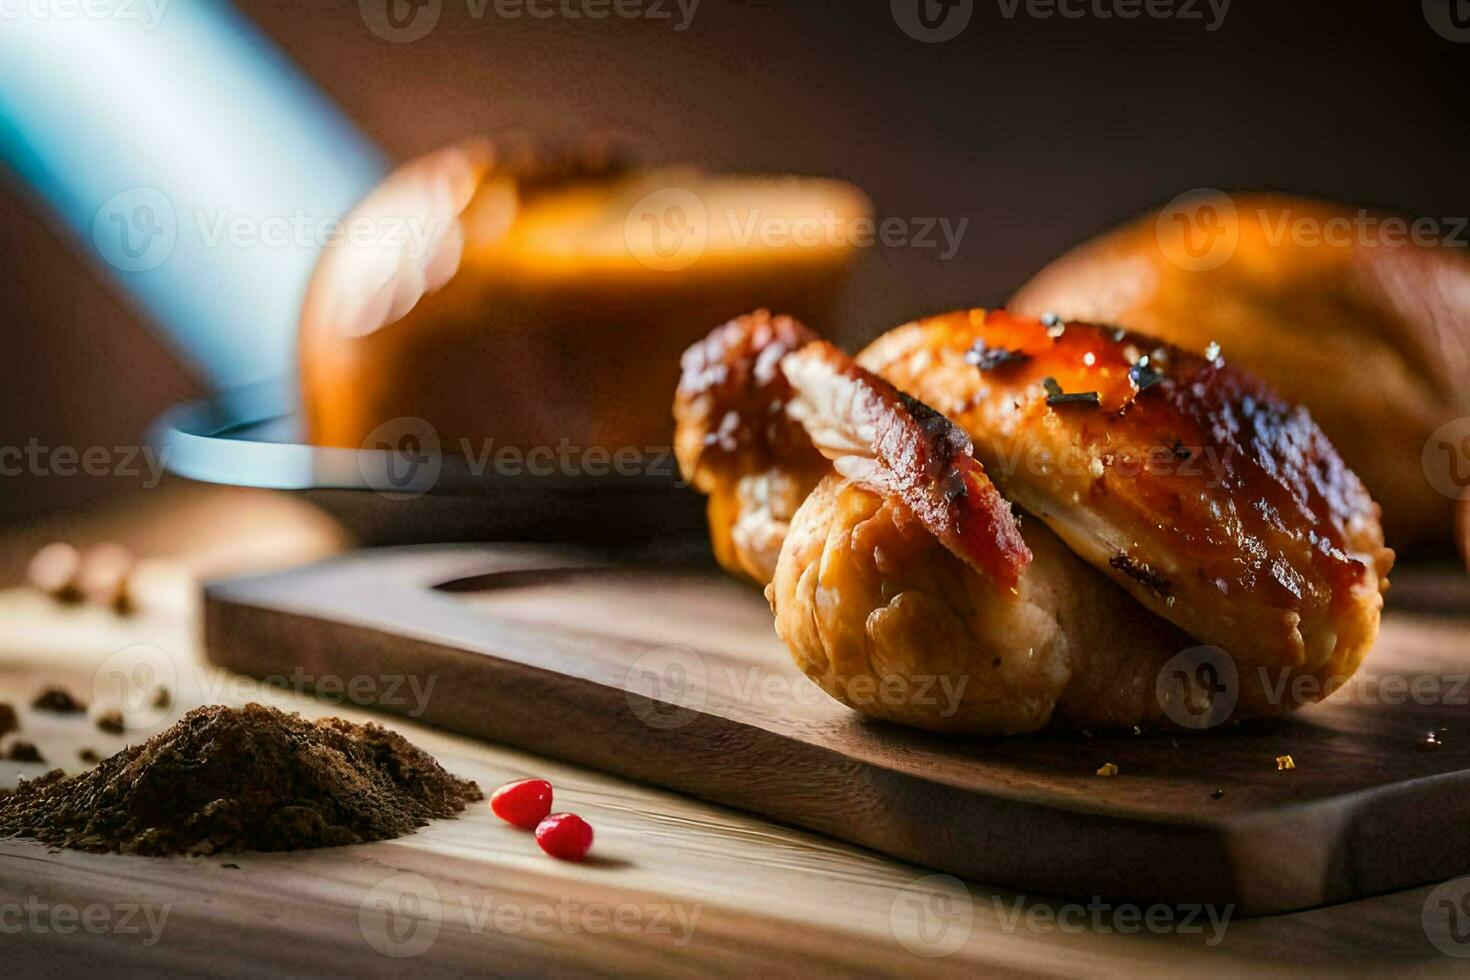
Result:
[678,887]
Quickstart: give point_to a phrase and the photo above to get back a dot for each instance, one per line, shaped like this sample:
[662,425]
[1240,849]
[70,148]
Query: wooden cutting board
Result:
[668,672]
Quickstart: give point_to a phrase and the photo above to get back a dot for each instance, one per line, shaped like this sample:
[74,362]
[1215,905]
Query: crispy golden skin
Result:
[885,606]
[761,401]
[1188,482]
[735,443]
[888,621]
[1363,324]
[895,445]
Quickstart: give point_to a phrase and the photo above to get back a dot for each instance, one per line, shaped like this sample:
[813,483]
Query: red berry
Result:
[565,836]
[524,802]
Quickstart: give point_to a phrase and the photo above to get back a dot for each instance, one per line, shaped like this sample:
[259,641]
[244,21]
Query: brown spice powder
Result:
[237,779]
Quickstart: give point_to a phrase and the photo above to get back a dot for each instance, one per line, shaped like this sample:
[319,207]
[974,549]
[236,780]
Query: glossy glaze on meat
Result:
[1174,480]
[730,408]
[736,444]
[896,445]
[1187,481]
[761,401]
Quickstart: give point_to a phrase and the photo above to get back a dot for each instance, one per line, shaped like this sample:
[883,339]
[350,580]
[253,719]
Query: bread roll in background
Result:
[542,303]
[1365,323]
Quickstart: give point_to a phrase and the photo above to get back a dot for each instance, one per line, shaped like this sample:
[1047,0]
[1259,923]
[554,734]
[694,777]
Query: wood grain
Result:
[772,899]
[670,675]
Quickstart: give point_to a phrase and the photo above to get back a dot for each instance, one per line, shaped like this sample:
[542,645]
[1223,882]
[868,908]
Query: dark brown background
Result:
[1039,131]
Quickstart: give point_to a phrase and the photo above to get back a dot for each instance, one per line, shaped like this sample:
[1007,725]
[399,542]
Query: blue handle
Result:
[191,160]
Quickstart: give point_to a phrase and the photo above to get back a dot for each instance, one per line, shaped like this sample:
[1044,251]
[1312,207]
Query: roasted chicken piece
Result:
[903,585]
[882,439]
[888,621]
[1367,327]
[1187,481]
[735,444]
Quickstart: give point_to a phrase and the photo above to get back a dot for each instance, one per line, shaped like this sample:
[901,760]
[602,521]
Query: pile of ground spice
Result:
[241,779]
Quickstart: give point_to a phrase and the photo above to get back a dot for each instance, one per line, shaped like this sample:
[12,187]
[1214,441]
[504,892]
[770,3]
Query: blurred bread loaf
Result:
[1364,317]
[531,305]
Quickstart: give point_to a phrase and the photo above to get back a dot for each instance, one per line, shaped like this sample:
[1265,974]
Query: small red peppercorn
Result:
[565,836]
[524,802]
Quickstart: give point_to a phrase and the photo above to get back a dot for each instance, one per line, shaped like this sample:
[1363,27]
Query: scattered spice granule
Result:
[55,570]
[8,721]
[1218,794]
[162,698]
[111,721]
[1107,769]
[123,602]
[88,755]
[58,700]
[23,752]
[1284,762]
[238,779]
[105,576]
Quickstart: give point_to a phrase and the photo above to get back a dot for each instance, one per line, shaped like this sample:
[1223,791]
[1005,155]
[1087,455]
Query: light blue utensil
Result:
[190,159]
